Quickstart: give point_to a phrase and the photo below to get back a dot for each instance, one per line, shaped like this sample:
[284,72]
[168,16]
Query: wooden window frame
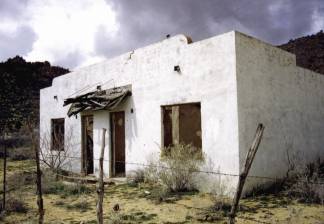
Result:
[175,109]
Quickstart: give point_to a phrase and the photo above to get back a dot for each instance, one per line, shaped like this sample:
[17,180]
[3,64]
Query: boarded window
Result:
[57,134]
[182,124]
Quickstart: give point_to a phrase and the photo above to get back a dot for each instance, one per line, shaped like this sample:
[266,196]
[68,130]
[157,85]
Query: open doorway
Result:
[87,144]
[117,125]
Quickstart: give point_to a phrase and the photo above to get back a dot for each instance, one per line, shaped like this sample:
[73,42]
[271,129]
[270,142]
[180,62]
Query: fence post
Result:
[100,188]
[248,162]
[4,173]
[35,147]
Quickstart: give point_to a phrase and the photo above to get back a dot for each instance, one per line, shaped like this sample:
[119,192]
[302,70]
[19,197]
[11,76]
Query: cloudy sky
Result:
[74,33]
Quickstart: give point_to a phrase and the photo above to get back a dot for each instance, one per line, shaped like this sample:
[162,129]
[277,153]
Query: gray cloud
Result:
[143,22]
[146,21]
[71,60]
[12,8]
[18,43]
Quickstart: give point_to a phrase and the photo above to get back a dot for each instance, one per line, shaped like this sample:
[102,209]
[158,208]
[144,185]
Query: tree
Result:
[59,157]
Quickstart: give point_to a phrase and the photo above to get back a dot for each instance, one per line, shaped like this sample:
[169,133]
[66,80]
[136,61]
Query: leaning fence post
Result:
[100,188]
[248,162]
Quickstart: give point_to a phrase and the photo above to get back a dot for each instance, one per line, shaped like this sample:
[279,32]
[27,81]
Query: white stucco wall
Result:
[207,76]
[287,99]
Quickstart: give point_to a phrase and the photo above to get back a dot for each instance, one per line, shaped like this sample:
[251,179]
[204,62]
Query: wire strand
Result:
[195,171]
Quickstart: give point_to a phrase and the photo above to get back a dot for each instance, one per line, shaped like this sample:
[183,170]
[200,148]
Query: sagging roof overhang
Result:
[107,99]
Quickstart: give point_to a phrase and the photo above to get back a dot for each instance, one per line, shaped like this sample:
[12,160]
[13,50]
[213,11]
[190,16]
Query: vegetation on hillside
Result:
[20,82]
[309,51]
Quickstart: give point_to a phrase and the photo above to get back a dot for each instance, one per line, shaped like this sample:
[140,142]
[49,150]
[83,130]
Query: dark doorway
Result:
[87,144]
[117,122]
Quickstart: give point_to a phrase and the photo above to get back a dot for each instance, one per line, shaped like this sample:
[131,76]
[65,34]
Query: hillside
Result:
[309,51]
[20,82]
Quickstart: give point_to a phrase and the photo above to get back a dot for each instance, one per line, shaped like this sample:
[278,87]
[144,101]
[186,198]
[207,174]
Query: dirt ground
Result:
[137,204]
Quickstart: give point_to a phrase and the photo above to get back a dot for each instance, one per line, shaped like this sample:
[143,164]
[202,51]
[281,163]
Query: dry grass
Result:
[137,207]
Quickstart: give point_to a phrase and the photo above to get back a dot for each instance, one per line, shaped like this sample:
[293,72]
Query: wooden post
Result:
[4,174]
[175,125]
[40,203]
[248,162]
[100,188]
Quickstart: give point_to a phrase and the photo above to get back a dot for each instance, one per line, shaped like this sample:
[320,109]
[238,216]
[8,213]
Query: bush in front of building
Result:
[176,168]
[306,182]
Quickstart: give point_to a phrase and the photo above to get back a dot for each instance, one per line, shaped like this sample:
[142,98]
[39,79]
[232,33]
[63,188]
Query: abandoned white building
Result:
[217,89]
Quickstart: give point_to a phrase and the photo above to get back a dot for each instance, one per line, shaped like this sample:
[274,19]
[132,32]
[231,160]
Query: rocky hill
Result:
[20,82]
[309,51]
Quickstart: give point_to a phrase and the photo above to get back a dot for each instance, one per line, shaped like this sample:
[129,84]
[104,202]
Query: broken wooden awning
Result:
[98,100]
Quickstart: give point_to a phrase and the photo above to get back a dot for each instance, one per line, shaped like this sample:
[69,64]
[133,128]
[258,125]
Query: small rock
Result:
[116,207]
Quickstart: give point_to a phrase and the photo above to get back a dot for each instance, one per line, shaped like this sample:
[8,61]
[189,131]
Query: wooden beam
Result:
[175,125]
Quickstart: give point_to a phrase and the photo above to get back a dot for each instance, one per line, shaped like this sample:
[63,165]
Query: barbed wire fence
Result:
[11,186]
[207,171]
[210,172]
[194,171]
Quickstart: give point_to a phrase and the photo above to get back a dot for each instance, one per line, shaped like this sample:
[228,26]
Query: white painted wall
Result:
[207,76]
[239,81]
[288,100]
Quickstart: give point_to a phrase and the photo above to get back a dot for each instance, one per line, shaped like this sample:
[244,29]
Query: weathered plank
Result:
[248,162]
[100,189]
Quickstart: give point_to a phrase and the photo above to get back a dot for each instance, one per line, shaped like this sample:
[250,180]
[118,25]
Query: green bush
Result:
[82,205]
[20,179]
[64,189]
[51,186]
[305,183]
[16,205]
[136,177]
[177,167]
[21,153]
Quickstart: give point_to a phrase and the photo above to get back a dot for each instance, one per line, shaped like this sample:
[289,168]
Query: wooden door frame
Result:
[83,143]
[112,152]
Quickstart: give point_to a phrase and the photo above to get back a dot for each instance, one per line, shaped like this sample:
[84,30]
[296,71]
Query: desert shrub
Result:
[59,203]
[16,140]
[176,168]
[219,196]
[21,153]
[65,189]
[267,188]
[81,205]
[158,194]
[305,183]
[16,205]
[52,186]
[151,171]
[182,162]
[115,218]
[20,179]
[136,177]
[222,203]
